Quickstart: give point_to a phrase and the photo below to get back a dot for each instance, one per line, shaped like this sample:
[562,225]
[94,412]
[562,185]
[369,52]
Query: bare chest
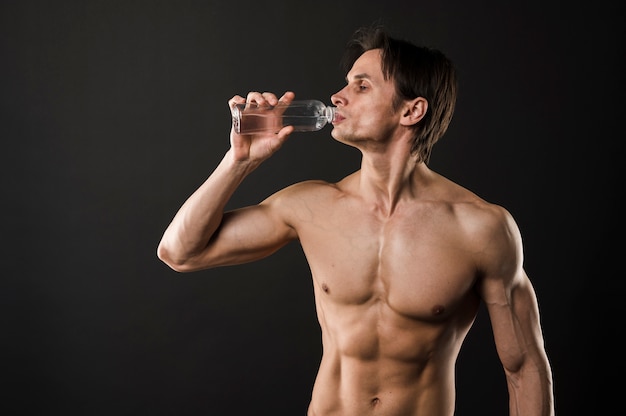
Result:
[419,263]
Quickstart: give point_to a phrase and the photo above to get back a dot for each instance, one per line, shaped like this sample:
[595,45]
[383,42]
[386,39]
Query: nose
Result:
[338,98]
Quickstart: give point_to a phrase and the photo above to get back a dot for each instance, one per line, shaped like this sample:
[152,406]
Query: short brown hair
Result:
[416,71]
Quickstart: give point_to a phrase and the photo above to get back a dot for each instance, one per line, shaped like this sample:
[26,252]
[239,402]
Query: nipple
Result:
[438,310]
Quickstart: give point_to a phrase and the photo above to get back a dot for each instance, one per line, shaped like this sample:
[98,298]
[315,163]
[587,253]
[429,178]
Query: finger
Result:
[285,132]
[287,97]
[279,139]
[237,99]
[255,98]
[270,97]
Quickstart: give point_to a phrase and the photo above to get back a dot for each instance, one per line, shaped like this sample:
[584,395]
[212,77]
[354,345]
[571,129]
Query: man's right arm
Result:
[201,235]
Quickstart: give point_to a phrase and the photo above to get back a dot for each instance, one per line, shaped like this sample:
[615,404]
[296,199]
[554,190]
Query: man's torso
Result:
[394,297]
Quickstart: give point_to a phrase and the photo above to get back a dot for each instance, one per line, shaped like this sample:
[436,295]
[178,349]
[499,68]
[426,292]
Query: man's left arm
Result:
[514,313]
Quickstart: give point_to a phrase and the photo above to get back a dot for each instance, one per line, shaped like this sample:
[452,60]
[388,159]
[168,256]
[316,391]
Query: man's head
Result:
[416,72]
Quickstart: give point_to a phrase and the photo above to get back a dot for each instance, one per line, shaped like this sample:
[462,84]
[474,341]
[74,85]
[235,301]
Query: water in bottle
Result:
[303,115]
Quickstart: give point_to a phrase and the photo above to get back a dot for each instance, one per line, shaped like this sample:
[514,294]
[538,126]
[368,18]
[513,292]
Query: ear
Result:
[414,111]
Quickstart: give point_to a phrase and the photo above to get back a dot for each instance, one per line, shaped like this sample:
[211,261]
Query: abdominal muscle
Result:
[394,298]
[378,362]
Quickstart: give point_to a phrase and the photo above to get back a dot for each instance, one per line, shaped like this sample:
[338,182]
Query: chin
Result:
[337,134]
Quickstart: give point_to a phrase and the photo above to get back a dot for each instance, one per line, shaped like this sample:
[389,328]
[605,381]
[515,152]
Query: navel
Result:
[325,288]
[375,401]
[438,310]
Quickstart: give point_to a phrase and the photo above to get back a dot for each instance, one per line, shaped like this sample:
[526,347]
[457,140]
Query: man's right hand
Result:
[257,147]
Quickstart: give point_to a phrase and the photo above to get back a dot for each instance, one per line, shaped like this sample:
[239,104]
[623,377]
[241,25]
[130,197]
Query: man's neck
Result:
[387,178]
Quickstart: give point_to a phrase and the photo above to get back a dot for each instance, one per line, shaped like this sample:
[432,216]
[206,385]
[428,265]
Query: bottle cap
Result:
[330,113]
[237,119]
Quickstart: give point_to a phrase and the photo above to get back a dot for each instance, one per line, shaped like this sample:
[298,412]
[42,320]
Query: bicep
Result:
[510,297]
[254,232]
[514,316]
[244,235]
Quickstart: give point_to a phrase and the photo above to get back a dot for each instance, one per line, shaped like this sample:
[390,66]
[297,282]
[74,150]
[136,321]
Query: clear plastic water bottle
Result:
[303,115]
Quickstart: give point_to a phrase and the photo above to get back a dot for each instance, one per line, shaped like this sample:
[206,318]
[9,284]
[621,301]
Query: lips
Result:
[338,118]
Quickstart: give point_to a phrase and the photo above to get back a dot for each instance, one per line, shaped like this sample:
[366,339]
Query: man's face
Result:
[364,106]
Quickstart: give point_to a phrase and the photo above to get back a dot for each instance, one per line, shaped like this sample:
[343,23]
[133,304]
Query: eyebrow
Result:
[360,76]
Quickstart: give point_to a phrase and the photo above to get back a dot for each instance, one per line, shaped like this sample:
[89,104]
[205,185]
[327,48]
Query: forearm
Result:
[196,221]
[531,392]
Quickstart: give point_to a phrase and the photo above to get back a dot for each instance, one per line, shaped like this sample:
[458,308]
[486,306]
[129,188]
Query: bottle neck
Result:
[330,113]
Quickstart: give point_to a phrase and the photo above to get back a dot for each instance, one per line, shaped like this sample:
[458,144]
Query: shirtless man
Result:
[400,256]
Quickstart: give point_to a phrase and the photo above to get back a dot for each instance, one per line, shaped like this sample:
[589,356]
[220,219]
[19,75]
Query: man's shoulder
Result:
[470,205]
[303,192]
[473,213]
[480,213]
[308,187]
[489,227]
[316,188]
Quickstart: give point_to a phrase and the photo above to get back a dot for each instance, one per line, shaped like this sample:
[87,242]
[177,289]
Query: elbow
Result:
[176,263]
[528,363]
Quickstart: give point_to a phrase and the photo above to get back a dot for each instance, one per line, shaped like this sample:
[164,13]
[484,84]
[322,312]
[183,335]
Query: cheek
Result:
[375,125]
[371,121]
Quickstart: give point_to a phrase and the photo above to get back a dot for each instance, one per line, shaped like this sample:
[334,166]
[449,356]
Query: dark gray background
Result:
[113,112]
